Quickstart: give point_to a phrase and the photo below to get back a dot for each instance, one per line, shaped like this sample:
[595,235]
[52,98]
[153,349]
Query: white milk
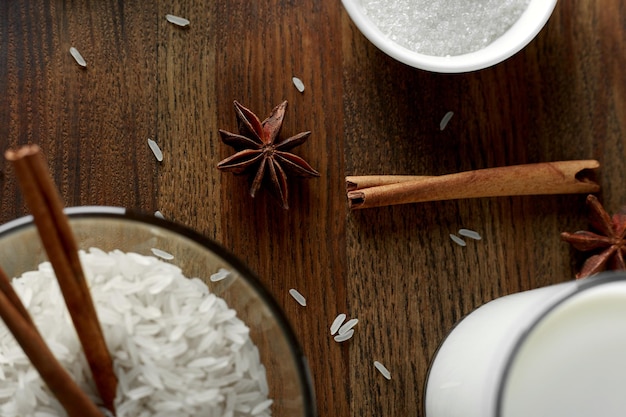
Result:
[555,351]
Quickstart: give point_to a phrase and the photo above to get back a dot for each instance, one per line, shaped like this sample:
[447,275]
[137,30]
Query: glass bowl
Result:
[512,41]
[110,228]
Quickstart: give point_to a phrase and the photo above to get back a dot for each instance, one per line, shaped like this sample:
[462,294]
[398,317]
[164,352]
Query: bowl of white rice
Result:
[450,36]
[190,329]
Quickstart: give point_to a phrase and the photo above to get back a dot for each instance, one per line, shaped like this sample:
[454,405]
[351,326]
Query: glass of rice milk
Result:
[555,351]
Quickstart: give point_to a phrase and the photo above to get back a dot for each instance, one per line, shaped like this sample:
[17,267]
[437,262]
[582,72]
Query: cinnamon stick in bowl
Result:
[75,402]
[561,177]
[46,206]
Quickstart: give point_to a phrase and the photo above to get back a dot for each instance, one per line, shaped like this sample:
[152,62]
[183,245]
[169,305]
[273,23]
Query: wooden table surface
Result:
[394,268]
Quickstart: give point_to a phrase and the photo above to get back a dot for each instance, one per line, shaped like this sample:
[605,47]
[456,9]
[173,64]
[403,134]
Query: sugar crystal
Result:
[444,27]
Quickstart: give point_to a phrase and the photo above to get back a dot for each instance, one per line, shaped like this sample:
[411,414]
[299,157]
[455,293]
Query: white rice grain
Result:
[472,234]
[151,376]
[445,120]
[46,413]
[260,407]
[298,297]
[159,214]
[347,326]
[382,369]
[139,393]
[343,337]
[298,83]
[337,323]
[162,254]
[457,240]
[78,57]
[177,20]
[155,150]
[174,345]
[220,275]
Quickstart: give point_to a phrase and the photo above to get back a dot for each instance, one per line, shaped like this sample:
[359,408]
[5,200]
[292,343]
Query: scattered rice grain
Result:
[159,214]
[298,83]
[457,240]
[444,121]
[78,57]
[347,326]
[298,297]
[337,323]
[382,369]
[177,20]
[472,234]
[343,337]
[155,150]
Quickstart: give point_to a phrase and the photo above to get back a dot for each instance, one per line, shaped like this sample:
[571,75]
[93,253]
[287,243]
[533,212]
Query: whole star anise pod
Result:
[260,151]
[609,242]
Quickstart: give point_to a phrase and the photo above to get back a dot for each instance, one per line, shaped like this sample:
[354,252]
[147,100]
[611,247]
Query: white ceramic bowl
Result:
[512,41]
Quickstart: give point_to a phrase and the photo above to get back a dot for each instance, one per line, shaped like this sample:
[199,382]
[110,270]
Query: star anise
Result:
[609,242]
[260,151]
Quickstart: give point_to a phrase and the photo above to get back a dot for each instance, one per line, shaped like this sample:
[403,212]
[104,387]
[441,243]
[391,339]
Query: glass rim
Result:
[120,213]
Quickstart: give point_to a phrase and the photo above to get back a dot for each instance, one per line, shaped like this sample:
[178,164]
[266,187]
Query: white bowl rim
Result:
[516,38]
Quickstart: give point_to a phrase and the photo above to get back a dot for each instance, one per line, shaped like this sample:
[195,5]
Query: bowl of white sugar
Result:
[450,36]
[190,329]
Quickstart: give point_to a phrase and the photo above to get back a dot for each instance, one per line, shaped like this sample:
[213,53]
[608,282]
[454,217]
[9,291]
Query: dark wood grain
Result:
[560,98]
[92,123]
[395,268]
[261,47]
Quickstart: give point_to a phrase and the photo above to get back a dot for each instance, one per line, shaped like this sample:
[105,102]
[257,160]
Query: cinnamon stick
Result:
[562,177]
[18,321]
[356,182]
[46,206]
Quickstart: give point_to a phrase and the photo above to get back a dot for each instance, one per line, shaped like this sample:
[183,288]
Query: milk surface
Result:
[553,351]
[574,362]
